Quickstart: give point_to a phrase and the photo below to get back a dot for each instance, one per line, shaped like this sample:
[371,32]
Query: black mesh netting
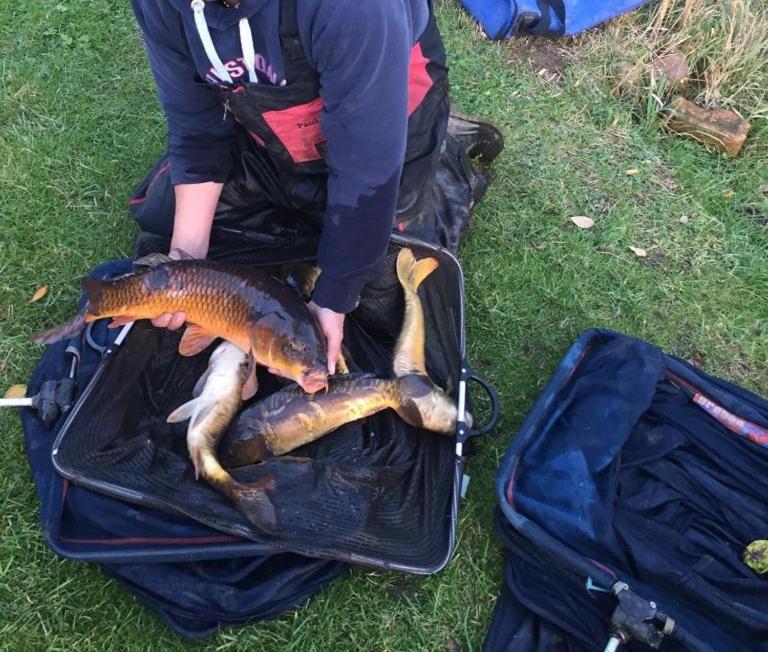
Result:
[375,490]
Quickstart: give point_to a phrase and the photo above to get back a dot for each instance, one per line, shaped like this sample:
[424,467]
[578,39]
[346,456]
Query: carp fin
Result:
[270,321]
[409,350]
[255,504]
[151,260]
[183,412]
[121,321]
[251,385]
[200,384]
[180,254]
[195,410]
[409,412]
[157,258]
[342,368]
[411,272]
[195,340]
[62,331]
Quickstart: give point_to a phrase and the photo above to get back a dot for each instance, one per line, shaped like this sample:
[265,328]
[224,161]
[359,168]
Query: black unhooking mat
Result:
[377,491]
[626,502]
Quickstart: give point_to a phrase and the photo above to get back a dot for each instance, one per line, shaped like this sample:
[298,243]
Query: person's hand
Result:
[171,320]
[332,325]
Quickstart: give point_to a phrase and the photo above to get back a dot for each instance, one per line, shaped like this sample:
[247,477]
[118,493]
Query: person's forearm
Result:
[195,207]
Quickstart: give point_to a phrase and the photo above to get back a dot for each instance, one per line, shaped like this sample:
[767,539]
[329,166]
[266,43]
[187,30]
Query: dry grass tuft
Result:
[724,43]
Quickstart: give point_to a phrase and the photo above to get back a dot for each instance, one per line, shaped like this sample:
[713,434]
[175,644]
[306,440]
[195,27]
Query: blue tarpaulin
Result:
[633,467]
[502,19]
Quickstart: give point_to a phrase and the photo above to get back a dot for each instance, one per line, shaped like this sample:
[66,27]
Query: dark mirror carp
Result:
[259,314]
[290,418]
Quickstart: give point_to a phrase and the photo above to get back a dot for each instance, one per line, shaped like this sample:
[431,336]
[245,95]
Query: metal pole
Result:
[17,402]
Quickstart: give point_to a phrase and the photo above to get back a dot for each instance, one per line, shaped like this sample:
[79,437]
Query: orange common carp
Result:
[217,398]
[257,313]
[289,418]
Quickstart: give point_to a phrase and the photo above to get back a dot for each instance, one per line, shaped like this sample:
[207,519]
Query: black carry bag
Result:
[626,502]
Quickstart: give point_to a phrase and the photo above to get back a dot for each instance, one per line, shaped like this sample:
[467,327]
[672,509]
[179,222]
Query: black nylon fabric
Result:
[196,599]
[618,475]
[375,491]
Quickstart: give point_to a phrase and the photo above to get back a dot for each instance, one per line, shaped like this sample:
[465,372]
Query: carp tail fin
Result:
[62,331]
[411,272]
[254,503]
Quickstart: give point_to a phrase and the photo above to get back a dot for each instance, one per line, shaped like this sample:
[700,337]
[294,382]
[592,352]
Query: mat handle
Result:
[463,432]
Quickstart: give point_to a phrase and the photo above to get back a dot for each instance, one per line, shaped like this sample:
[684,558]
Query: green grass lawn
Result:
[79,127]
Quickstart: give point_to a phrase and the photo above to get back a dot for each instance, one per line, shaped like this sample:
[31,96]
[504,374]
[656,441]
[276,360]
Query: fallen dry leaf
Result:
[582,221]
[39,293]
[684,219]
[728,193]
[15,391]
[632,172]
[640,253]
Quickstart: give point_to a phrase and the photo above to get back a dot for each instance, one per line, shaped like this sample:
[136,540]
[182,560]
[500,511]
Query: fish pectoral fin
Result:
[251,385]
[195,410]
[200,384]
[121,321]
[195,340]
[266,324]
[183,412]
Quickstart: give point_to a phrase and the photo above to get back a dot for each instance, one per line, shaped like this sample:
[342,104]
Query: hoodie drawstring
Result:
[249,54]
[198,6]
[246,43]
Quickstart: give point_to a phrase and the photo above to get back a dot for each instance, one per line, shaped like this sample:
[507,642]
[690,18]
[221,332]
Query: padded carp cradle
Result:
[376,492]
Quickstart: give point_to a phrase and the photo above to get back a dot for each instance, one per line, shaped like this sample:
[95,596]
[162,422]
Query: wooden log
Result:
[721,128]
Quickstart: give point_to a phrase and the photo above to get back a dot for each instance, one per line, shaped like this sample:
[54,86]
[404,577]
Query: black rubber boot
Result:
[481,139]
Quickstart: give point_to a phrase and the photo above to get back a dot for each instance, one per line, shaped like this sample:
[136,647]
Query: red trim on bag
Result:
[419,81]
[603,567]
[298,129]
[752,431]
[140,199]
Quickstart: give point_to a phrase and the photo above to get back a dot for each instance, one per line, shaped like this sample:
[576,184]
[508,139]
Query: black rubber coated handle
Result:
[490,390]
[464,433]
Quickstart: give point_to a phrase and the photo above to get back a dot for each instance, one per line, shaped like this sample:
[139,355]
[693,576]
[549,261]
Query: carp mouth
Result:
[314,380]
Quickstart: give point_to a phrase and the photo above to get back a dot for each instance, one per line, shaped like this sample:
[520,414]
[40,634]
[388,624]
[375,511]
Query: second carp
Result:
[290,418]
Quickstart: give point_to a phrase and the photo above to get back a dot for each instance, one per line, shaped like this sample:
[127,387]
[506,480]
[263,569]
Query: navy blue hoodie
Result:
[360,50]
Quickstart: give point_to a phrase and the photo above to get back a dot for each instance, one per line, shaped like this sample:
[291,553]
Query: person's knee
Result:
[157,222]
[153,203]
